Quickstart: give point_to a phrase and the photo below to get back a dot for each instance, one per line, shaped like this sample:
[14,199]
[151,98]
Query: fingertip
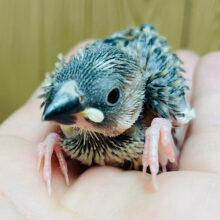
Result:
[209,65]
[187,53]
[208,75]
[26,121]
[190,60]
[211,57]
[81,44]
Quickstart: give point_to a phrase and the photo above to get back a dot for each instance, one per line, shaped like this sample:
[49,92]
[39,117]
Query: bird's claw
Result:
[45,150]
[159,148]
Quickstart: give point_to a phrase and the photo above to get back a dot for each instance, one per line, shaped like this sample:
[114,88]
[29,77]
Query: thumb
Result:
[26,121]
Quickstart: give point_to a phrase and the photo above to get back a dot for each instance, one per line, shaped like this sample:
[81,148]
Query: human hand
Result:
[192,192]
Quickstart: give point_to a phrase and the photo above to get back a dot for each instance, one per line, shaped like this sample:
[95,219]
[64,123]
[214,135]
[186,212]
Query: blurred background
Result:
[33,32]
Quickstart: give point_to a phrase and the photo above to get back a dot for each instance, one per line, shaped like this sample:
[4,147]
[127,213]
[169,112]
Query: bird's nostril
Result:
[81,98]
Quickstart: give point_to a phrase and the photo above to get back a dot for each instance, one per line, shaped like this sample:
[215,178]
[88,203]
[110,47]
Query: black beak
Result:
[62,109]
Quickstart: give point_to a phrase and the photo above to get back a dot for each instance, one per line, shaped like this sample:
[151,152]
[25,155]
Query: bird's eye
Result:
[113,96]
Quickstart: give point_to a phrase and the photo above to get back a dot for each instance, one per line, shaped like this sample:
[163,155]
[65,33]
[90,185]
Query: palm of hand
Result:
[109,193]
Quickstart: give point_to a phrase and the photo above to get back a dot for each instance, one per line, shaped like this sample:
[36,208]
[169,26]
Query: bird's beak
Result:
[66,106]
[62,109]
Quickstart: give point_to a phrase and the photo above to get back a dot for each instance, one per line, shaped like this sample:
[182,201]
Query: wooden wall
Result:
[32,32]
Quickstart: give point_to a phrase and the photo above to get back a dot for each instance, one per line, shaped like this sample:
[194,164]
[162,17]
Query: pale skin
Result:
[192,192]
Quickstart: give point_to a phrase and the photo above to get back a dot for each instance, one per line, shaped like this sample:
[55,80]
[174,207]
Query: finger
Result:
[8,210]
[190,60]
[26,121]
[23,186]
[202,149]
[129,195]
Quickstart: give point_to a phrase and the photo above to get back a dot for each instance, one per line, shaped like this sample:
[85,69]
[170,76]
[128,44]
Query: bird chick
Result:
[103,98]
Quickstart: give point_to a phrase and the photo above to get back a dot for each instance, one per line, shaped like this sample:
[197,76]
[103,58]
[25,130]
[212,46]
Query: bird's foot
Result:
[159,148]
[45,150]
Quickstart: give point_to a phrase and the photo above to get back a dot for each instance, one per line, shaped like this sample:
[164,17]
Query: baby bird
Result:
[118,102]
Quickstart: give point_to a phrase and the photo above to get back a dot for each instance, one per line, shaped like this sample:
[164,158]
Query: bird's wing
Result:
[165,85]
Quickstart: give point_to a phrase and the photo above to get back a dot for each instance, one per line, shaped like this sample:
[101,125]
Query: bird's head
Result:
[100,89]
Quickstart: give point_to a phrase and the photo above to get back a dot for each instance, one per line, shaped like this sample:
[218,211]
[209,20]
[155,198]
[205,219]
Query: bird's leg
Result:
[159,147]
[45,150]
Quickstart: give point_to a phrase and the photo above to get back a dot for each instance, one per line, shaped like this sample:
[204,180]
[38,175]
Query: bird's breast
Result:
[94,148]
